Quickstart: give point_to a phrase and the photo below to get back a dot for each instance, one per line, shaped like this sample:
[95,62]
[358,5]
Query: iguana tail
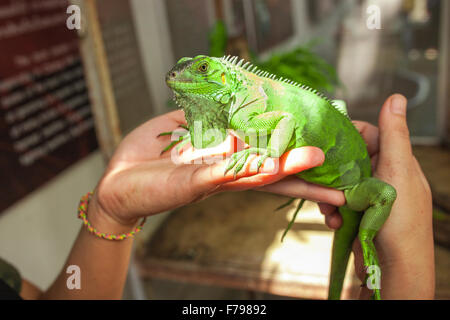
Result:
[342,247]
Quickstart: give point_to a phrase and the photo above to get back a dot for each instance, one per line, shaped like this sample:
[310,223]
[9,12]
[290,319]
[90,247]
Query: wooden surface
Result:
[233,240]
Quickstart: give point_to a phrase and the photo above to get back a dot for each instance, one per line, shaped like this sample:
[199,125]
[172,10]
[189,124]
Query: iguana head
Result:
[202,75]
[204,89]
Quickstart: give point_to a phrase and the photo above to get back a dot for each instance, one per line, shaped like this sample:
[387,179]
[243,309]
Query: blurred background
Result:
[77,76]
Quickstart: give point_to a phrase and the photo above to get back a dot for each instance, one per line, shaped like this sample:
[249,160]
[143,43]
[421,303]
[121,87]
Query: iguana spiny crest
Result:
[220,78]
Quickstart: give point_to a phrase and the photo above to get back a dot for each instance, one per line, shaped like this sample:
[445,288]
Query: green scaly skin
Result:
[222,94]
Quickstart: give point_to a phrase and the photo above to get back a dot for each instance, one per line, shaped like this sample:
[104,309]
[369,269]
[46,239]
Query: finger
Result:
[208,155]
[177,116]
[143,142]
[326,209]
[374,162]
[334,220]
[163,123]
[359,261]
[370,135]
[296,188]
[395,145]
[297,160]
[292,162]
[424,180]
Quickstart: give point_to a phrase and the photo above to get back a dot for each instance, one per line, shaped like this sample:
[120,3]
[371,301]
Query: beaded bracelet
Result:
[82,209]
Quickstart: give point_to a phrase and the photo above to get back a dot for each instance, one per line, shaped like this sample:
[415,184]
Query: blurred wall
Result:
[153,35]
[446,74]
[36,234]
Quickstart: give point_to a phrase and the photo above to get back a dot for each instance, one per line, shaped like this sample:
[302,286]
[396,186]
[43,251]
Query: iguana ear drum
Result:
[224,80]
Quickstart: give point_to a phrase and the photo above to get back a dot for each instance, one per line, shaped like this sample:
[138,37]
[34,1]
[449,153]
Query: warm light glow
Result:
[431,54]
[305,254]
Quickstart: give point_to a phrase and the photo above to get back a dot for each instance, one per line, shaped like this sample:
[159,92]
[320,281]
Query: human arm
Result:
[139,182]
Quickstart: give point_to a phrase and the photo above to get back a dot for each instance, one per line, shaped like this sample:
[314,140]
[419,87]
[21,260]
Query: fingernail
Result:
[398,106]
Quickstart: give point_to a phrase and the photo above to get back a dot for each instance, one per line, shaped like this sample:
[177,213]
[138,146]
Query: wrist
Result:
[104,225]
[98,203]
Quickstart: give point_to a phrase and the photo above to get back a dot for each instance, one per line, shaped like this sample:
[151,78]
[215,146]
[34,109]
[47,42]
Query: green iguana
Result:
[223,94]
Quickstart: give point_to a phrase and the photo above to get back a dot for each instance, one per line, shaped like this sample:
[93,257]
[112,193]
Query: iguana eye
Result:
[203,67]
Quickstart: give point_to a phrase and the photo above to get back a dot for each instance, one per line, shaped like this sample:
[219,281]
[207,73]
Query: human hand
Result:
[139,181]
[405,242]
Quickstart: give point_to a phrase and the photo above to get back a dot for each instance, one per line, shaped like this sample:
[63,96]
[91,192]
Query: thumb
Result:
[395,144]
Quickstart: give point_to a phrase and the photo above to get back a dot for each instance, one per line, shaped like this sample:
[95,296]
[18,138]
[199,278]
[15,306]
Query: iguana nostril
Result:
[173,74]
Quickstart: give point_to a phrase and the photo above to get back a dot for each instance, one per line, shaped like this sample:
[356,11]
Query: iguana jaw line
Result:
[169,82]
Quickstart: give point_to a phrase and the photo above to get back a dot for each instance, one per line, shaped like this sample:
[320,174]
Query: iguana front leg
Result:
[277,125]
[183,138]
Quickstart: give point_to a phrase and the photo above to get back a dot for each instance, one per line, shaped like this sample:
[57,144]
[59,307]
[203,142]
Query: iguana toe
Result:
[231,163]
[237,159]
[261,161]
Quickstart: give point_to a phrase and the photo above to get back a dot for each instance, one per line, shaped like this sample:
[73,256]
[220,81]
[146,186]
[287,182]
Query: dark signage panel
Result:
[45,115]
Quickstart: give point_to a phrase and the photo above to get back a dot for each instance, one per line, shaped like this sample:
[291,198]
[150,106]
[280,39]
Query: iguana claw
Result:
[170,146]
[168,133]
